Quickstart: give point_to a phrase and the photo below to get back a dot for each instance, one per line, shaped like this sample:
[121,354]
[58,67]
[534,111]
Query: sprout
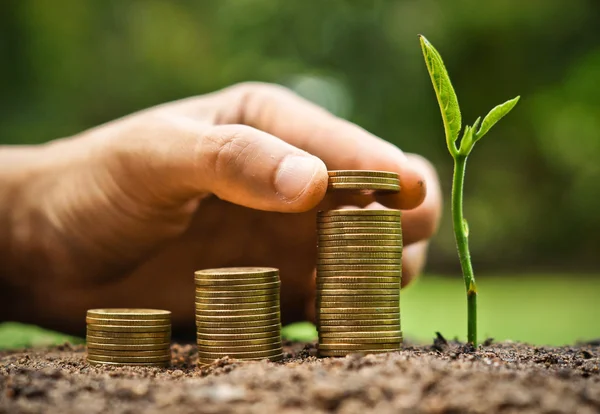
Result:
[452,125]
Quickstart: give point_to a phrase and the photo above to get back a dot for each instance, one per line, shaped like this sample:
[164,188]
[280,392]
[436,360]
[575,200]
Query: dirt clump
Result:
[447,377]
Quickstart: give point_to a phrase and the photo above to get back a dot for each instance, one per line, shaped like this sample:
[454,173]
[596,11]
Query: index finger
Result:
[342,145]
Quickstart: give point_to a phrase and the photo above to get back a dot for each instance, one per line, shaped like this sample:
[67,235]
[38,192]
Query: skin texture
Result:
[121,215]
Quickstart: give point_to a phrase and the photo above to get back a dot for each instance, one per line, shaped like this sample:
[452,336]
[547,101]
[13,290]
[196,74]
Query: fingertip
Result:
[413,189]
[301,181]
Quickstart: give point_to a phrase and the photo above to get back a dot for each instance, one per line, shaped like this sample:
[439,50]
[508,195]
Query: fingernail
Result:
[295,174]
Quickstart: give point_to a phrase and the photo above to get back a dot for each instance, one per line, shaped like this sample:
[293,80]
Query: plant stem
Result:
[461,234]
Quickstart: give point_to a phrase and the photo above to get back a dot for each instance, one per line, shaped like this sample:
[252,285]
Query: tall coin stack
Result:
[359,270]
[128,337]
[237,314]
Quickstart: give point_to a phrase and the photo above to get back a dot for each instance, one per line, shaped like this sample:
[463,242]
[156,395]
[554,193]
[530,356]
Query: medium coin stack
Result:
[359,269]
[237,314]
[128,337]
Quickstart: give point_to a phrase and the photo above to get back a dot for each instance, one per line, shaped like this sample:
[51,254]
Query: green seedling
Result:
[452,125]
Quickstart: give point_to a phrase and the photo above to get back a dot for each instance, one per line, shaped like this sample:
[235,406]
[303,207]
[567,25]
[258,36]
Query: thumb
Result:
[182,159]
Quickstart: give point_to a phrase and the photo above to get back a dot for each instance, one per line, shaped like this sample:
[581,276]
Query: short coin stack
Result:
[129,337]
[237,314]
[379,181]
[359,271]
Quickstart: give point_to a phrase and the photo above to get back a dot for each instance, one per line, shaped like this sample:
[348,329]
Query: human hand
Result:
[122,215]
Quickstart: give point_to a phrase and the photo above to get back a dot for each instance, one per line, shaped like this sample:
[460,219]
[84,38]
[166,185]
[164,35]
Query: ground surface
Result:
[443,378]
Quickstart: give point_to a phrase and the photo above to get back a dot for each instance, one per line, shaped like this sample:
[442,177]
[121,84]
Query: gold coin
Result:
[127,340]
[373,311]
[354,283]
[240,355]
[376,276]
[131,329]
[364,179]
[155,336]
[128,347]
[359,255]
[353,346]
[359,212]
[344,256]
[233,292]
[237,286]
[127,322]
[342,329]
[274,358]
[358,224]
[352,288]
[264,342]
[365,173]
[357,283]
[240,346]
[352,242]
[242,276]
[359,230]
[354,220]
[360,236]
[358,267]
[239,337]
[252,326]
[353,333]
[227,284]
[345,318]
[237,312]
[94,352]
[350,301]
[128,359]
[226,335]
[250,300]
[352,294]
[365,341]
[359,261]
[218,322]
[222,316]
[353,267]
[361,322]
[331,305]
[137,364]
[238,280]
[238,271]
[341,353]
[209,305]
[388,188]
[213,328]
[327,301]
[202,324]
[126,313]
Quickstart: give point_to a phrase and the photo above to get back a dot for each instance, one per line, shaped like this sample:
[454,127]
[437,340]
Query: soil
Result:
[442,378]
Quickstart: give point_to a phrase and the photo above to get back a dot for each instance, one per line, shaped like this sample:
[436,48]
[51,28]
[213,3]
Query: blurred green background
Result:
[532,190]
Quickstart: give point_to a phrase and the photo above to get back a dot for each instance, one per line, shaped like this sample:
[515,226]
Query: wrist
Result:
[19,165]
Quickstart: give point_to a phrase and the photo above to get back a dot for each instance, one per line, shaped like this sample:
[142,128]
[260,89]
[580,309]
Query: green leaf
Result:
[476,124]
[496,114]
[445,93]
[466,142]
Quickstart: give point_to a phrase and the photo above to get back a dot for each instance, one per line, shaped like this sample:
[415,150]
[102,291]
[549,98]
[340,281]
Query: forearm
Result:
[14,168]
[16,165]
